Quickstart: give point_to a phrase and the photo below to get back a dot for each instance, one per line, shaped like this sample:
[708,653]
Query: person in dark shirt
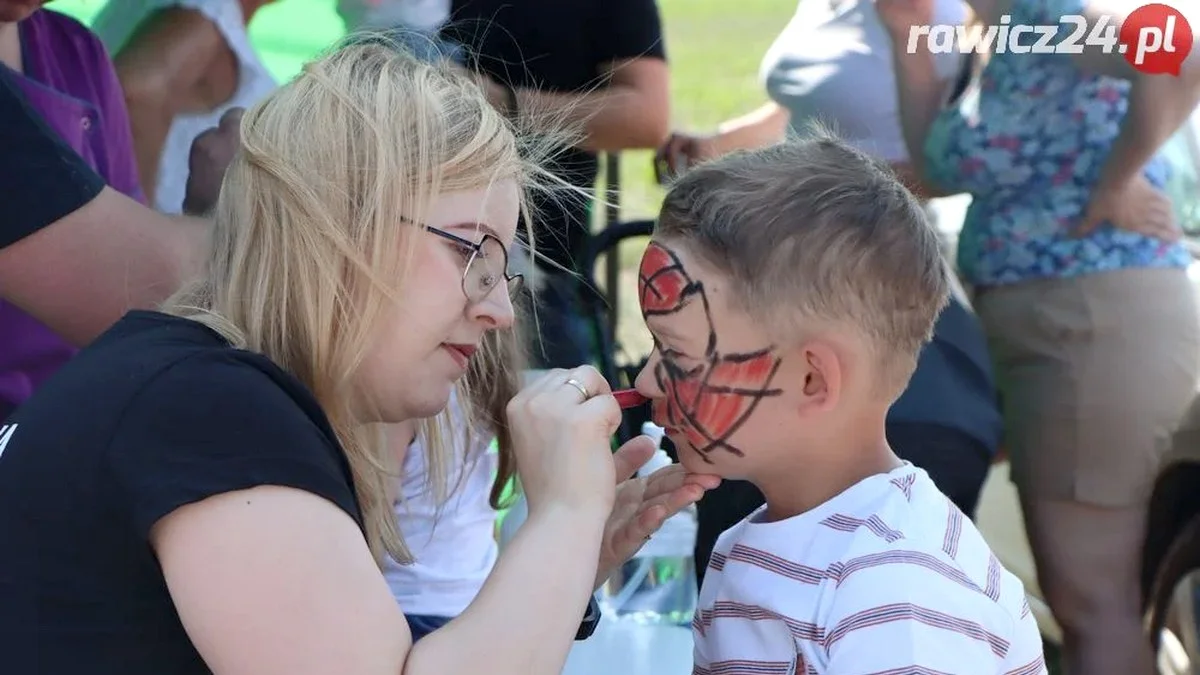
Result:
[599,64]
[74,253]
[201,489]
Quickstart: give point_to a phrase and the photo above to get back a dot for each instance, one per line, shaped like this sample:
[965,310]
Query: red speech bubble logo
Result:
[1156,38]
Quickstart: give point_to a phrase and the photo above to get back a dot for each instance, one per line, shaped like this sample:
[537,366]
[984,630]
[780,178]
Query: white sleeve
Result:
[905,617]
[949,13]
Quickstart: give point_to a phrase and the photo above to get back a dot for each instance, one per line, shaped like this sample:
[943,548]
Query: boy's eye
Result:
[681,363]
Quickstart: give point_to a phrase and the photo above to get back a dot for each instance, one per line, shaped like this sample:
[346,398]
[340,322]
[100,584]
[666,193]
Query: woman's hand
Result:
[682,151]
[898,16]
[1136,206]
[561,427]
[643,504]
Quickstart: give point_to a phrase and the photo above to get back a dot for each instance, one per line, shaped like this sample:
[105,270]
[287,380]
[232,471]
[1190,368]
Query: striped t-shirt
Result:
[887,577]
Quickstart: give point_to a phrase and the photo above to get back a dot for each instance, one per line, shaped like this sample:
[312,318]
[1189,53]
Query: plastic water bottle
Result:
[658,586]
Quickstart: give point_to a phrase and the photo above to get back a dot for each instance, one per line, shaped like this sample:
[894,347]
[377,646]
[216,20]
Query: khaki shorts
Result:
[1096,372]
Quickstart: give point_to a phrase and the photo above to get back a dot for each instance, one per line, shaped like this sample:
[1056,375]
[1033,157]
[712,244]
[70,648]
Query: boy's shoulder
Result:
[884,516]
[889,561]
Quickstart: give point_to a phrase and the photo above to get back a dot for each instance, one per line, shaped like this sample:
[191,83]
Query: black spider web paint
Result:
[670,372]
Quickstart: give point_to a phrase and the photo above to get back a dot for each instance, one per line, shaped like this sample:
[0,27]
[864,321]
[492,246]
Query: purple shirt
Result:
[70,80]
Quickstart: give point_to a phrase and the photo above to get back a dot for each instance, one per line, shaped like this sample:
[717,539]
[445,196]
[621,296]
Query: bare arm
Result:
[920,94]
[82,272]
[924,81]
[1158,104]
[765,126]
[176,61]
[632,111]
[296,573]
[519,623]
[309,599]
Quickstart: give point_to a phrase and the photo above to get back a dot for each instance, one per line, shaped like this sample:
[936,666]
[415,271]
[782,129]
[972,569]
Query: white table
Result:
[620,648]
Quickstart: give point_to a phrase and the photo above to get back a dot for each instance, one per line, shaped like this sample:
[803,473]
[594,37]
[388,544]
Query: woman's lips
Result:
[460,353]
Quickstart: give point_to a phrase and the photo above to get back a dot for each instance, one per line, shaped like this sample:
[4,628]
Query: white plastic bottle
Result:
[658,586]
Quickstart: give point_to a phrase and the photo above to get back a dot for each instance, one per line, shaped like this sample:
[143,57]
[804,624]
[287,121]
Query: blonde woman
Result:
[203,488]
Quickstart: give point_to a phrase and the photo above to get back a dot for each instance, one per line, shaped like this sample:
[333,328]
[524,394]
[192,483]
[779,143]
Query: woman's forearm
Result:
[1158,106]
[524,619]
[919,93]
[765,126]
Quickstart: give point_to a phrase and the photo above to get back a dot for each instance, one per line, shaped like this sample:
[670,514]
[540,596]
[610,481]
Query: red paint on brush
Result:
[629,398]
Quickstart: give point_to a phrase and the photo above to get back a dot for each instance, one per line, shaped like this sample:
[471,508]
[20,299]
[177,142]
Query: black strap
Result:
[966,74]
[591,619]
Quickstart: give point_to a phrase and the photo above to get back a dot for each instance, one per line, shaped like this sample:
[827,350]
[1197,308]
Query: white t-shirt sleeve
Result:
[912,618]
[949,13]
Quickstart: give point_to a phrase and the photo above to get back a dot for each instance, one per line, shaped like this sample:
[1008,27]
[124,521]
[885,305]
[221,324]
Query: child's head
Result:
[789,291]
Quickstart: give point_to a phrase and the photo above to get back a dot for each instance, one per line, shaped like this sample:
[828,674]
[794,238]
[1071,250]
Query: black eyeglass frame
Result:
[512,281]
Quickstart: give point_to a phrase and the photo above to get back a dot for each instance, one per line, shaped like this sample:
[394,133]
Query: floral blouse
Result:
[1028,144]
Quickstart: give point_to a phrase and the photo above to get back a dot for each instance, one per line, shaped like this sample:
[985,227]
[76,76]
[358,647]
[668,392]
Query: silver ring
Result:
[579,385]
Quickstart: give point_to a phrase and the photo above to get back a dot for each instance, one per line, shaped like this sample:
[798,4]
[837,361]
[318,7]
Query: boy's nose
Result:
[646,384]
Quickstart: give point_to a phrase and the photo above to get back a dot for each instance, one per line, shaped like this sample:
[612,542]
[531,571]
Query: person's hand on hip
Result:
[1136,206]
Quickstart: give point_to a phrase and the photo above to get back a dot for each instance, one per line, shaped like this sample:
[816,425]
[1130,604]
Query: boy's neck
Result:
[817,475]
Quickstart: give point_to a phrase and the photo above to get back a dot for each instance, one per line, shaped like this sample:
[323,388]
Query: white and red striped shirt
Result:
[888,577]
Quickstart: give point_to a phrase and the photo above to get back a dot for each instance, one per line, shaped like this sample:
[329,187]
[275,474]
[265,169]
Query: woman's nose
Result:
[495,310]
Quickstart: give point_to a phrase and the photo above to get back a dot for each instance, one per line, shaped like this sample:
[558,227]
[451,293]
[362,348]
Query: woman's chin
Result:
[428,405]
[432,403]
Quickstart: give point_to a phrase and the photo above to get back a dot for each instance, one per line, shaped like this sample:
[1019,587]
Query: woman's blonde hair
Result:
[312,211]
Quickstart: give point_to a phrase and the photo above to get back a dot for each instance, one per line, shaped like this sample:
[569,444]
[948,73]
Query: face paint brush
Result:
[629,398]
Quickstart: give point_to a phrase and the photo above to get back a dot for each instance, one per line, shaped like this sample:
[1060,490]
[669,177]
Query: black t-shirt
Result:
[559,46]
[158,413]
[41,178]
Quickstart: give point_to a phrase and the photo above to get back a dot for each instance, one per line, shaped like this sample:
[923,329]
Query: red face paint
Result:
[710,401]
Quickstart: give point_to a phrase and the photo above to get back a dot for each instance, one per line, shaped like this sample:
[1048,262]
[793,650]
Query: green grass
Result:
[714,48]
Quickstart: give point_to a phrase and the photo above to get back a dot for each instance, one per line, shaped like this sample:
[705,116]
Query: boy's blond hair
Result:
[813,230]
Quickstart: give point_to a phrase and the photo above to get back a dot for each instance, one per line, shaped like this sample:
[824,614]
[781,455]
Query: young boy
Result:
[789,291]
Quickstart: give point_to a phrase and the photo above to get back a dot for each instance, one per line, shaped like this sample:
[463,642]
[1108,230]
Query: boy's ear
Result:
[822,378]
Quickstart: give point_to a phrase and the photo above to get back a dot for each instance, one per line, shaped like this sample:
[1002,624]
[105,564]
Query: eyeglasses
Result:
[487,265]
